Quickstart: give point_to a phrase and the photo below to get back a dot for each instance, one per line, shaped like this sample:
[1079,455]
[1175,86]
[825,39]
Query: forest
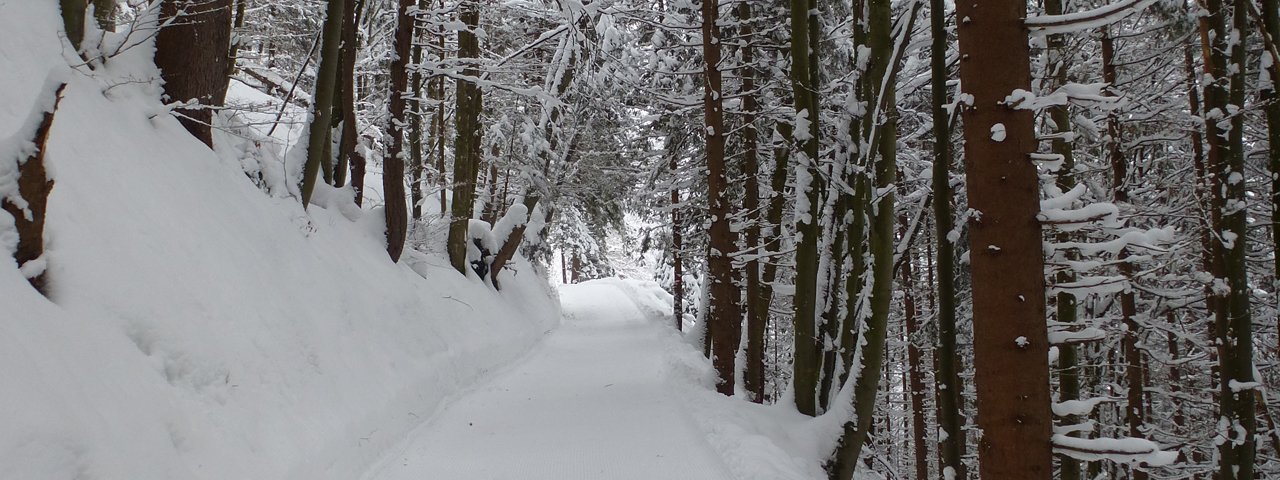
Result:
[900,238]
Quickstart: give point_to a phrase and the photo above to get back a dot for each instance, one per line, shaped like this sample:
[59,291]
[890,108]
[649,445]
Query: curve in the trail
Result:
[589,403]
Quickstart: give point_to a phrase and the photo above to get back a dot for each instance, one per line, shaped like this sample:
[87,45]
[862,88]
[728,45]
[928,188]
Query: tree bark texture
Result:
[724,315]
[322,106]
[806,365]
[33,187]
[950,406]
[397,215]
[1007,259]
[192,53]
[467,146]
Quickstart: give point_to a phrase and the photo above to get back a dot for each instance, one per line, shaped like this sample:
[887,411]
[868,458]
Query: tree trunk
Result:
[881,127]
[1007,259]
[1065,303]
[397,216]
[724,314]
[192,56]
[104,11]
[915,362]
[677,244]
[467,154]
[806,367]
[511,244]
[349,154]
[73,20]
[33,186]
[415,130]
[753,375]
[322,103]
[1270,97]
[950,407]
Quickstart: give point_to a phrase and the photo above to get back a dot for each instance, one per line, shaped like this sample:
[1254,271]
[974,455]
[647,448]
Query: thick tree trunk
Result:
[104,11]
[467,146]
[33,187]
[397,216]
[724,314]
[73,20]
[322,103]
[192,55]
[1007,259]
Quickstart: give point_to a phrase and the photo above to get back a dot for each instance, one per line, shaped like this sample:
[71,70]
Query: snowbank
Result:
[201,329]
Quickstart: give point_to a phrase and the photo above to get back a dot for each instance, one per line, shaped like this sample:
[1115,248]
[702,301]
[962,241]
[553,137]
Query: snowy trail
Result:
[590,402]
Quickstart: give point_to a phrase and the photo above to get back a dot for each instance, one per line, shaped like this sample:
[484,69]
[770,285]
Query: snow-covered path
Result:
[590,402]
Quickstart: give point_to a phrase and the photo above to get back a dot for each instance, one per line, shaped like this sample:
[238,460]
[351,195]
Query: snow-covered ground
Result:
[199,328]
[201,325]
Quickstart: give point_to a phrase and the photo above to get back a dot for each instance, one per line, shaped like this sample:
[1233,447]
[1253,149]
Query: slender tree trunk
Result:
[677,245]
[1270,97]
[237,27]
[806,369]
[915,362]
[467,154]
[192,56]
[30,203]
[393,162]
[349,154]
[415,129]
[322,101]
[1065,303]
[882,127]
[1007,259]
[950,408]
[1134,411]
[757,317]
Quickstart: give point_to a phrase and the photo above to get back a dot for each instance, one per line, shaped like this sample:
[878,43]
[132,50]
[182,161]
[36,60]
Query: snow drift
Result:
[200,329]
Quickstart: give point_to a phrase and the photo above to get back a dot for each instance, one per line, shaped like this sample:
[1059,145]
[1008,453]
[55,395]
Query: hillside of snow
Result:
[199,328]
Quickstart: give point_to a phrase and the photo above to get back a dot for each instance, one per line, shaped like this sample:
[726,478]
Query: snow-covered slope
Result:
[200,329]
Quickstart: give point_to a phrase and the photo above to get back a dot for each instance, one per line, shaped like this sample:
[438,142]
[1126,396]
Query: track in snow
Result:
[589,403]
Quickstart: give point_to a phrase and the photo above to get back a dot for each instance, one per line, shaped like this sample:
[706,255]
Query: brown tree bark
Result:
[724,315]
[1007,260]
[34,185]
[397,215]
[192,55]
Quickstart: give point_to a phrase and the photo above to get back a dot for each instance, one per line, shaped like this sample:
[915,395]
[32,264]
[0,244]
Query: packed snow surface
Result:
[590,402]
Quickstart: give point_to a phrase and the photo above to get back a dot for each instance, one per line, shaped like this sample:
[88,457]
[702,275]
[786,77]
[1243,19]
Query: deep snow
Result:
[201,329]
